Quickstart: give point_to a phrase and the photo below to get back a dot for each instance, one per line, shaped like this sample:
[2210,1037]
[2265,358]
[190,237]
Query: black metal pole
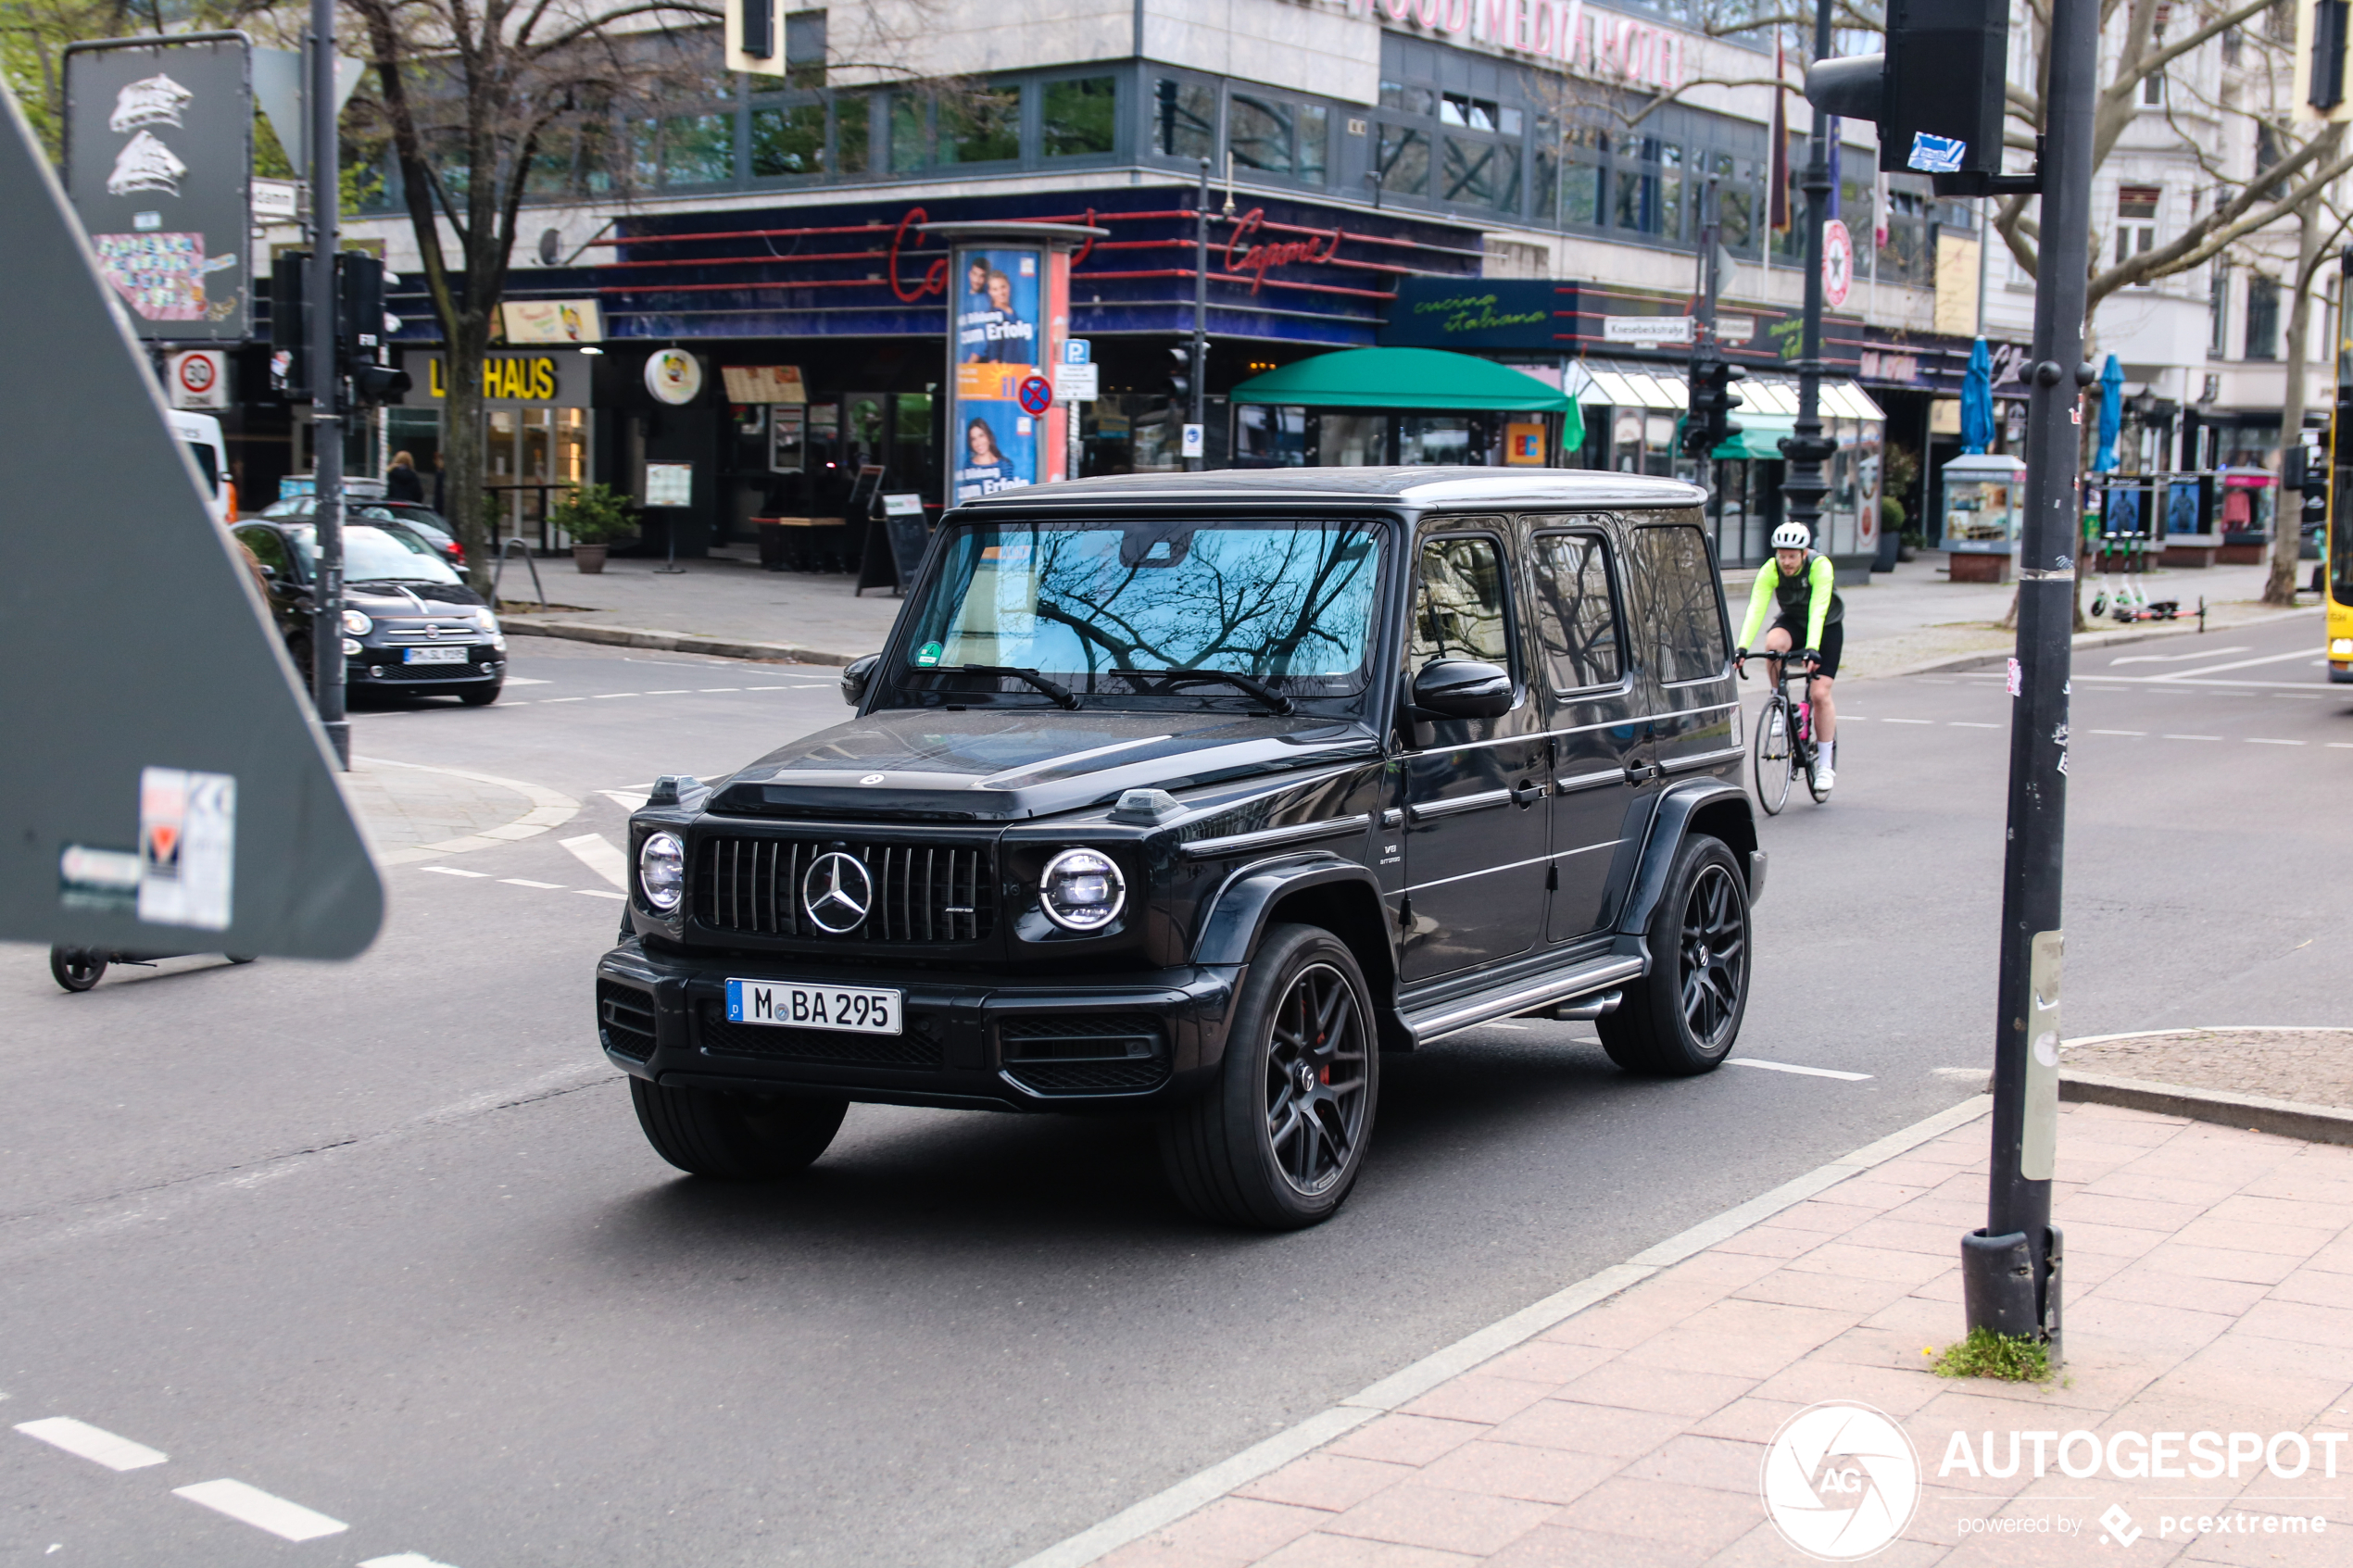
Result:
[2010,1269]
[1803,485]
[326,422]
[1200,319]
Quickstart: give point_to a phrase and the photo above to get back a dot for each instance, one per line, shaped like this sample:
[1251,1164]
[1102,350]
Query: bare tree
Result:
[469,98]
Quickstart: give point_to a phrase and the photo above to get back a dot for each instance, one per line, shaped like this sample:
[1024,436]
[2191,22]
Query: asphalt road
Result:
[382,1240]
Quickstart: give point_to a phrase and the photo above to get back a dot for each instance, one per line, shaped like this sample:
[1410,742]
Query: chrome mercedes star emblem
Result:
[871,779]
[838,891]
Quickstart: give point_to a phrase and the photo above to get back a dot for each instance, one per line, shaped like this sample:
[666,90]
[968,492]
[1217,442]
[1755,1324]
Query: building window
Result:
[1481,174]
[853,119]
[697,149]
[910,133]
[2153,89]
[2136,221]
[1080,116]
[1404,161]
[1650,188]
[2263,319]
[805,49]
[1584,180]
[1184,120]
[1262,135]
[1409,100]
[981,125]
[788,141]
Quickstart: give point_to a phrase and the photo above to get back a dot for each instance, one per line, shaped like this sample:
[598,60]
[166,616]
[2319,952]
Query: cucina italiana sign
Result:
[1584,39]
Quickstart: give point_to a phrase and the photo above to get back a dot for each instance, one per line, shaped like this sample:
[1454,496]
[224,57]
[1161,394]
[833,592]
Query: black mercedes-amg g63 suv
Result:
[1191,794]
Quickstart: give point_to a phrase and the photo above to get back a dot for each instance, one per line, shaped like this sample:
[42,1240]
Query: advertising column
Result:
[1010,310]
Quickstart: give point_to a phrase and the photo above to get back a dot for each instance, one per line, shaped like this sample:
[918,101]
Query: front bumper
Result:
[386,667]
[1128,1041]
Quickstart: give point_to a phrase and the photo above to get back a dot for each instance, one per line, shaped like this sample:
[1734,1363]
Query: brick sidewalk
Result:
[2210,1288]
[412,812]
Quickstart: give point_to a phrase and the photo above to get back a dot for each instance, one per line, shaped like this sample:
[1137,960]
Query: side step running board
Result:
[1464,1012]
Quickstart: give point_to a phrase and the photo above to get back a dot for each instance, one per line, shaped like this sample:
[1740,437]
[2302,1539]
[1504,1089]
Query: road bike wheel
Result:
[1775,754]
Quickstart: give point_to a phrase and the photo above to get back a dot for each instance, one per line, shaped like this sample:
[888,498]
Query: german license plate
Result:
[790,1005]
[433,656]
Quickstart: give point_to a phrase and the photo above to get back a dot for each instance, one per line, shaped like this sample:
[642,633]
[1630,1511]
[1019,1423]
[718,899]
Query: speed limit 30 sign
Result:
[200,379]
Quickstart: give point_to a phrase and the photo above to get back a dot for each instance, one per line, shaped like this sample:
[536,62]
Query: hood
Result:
[1006,764]
[381,599]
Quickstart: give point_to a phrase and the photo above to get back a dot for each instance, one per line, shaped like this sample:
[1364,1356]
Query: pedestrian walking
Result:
[402,482]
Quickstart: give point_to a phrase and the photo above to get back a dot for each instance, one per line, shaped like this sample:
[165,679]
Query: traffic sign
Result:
[1838,263]
[1193,444]
[1036,395]
[200,379]
[1077,383]
[1078,351]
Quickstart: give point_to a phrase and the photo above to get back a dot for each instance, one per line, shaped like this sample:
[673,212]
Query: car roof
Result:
[1421,487]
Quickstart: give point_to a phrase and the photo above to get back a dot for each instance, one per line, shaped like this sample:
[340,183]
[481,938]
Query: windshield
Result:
[1289,603]
[374,555]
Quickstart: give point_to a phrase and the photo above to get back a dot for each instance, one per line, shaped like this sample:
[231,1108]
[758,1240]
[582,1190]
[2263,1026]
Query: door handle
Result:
[1526,793]
[1641,768]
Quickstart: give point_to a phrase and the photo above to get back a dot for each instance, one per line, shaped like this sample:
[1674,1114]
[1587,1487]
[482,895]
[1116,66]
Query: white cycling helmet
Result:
[1792,536]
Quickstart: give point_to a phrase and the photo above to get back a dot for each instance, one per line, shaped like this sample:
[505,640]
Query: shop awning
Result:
[1404,380]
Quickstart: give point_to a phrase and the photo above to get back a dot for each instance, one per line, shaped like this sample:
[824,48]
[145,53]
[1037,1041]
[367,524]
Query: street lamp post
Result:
[1200,319]
[1804,486]
[326,422]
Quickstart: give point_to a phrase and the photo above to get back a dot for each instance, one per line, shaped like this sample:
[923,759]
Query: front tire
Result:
[736,1137]
[1681,1018]
[77,969]
[1279,1140]
[1775,754]
[481,696]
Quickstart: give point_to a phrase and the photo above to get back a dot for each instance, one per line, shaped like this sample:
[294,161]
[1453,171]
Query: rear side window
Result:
[1576,610]
[1681,632]
[1459,607]
[208,464]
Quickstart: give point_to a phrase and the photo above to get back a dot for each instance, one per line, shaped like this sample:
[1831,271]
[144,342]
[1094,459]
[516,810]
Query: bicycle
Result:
[1784,738]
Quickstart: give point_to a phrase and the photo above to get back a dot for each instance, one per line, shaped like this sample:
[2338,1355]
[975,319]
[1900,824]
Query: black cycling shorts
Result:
[1834,639]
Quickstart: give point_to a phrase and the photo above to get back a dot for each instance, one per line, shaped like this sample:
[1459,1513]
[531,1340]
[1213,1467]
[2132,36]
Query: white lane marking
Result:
[548,699]
[527,680]
[2341,746]
[2193,737]
[1970,725]
[85,1441]
[597,852]
[451,870]
[2305,654]
[627,800]
[2175,657]
[2259,740]
[2120,732]
[403,1560]
[1907,721]
[718,688]
[601,695]
[673,691]
[599,893]
[526,882]
[1793,1067]
[251,1505]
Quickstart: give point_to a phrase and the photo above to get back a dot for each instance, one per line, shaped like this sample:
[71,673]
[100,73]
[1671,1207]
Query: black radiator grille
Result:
[915,1048]
[922,892]
[625,1019]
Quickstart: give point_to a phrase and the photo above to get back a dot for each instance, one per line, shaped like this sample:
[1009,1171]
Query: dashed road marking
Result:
[627,800]
[602,695]
[1907,721]
[703,689]
[251,1505]
[597,853]
[1970,725]
[599,893]
[675,691]
[526,882]
[2193,737]
[2259,740]
[85,1441]
[1793,1067]
[403,1560]
[548,699]
[2120,732]
[451,870]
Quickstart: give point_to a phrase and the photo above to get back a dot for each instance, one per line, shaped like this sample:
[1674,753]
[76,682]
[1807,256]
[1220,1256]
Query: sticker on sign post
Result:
[1936,155]
[1193,444]
[187,848]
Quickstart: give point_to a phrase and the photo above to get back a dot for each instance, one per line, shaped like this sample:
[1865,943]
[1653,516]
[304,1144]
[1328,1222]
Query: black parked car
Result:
[1191,794]
[421,521]
[409,623]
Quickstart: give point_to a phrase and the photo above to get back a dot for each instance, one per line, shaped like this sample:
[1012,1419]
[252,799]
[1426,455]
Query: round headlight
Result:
[662,871]
[1082,890]
[356,624]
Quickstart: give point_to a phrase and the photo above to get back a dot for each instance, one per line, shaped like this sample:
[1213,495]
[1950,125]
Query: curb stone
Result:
[675,642]
[549,809]
[2287,1119]
[2093,640]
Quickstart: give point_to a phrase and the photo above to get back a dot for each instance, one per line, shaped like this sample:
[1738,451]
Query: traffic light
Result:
[359,328]
[1709,423]
[2320,28]
[1180,379]
[1936,93]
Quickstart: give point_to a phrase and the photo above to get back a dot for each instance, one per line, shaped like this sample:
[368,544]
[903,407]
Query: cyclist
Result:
[1804,588]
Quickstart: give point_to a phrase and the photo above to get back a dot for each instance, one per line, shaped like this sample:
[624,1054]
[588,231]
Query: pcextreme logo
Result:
[1841,1480]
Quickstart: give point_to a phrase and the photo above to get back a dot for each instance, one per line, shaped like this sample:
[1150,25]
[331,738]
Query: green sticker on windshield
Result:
[928,653]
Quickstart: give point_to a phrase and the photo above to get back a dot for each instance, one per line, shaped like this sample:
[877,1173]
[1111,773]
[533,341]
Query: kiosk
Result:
[1982,493]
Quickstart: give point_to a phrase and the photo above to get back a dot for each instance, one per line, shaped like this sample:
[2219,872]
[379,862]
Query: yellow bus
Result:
[2336,564]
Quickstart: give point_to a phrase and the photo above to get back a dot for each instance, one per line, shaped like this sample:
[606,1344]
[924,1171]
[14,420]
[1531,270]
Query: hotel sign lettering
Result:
[1586,41]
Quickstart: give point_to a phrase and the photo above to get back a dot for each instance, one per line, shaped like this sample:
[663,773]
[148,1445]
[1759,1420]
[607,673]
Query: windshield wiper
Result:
[1249,683]
[1055,689]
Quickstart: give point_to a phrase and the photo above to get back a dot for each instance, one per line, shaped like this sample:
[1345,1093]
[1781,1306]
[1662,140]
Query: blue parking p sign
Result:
[1078,351]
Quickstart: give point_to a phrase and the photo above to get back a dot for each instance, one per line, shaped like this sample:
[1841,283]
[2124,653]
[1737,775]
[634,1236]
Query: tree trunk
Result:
[2288,524]
[471,507]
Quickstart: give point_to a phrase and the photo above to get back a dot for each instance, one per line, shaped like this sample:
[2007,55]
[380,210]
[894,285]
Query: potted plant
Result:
[595,515]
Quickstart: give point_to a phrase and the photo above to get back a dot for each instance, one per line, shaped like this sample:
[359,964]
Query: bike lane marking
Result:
[92,1443]
[263,1511]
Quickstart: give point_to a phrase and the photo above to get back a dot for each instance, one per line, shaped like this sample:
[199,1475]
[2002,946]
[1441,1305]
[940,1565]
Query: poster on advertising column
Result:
[1009,306]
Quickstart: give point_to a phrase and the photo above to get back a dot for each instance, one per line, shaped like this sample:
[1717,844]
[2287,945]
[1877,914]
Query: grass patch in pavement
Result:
[1987,1354]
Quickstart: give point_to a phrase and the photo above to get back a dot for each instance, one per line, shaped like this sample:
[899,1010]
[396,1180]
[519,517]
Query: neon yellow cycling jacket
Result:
[1821,592]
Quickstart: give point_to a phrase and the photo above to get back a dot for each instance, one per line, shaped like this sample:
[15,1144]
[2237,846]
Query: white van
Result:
[201,434]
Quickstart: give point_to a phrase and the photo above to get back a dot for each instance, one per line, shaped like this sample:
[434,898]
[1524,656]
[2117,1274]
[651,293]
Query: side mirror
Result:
[268,571]
[1462,688]
[854,677]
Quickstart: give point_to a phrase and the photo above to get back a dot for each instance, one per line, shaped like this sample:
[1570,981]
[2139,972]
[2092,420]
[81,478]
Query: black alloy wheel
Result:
[1279,1139]
[1682,1017]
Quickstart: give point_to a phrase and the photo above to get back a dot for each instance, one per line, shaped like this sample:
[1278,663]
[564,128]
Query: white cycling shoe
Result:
[1826,770]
